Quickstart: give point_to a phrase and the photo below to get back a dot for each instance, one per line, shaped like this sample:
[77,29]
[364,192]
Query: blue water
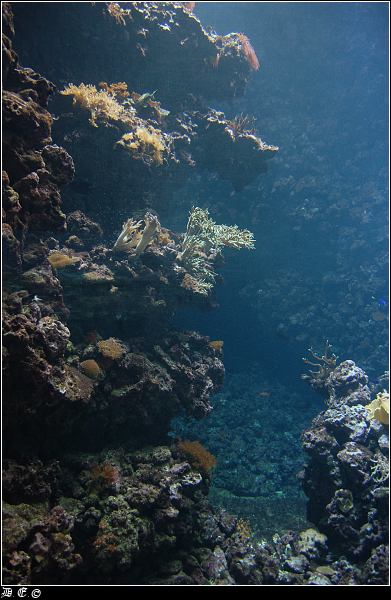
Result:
[319,215]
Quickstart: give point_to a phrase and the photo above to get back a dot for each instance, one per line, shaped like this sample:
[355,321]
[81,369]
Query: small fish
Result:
[140,101]
[264,394]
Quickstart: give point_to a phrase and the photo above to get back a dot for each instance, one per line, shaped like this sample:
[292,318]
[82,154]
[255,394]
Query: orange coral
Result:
[217,345]
[249,51]
[119,90]
[95,472]
[188,5]
[110,473]
[198,455]
[90,368]
[107,473]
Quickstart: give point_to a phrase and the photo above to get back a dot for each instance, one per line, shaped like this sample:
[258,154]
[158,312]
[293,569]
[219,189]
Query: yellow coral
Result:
[379,408]
[59,261]
[217,345]
[144,141]
[101,104]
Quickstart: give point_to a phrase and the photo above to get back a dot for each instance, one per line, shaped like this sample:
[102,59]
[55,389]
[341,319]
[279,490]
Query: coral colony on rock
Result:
[95,491]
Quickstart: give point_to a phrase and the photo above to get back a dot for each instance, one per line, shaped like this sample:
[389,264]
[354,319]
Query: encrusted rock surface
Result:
[346,479]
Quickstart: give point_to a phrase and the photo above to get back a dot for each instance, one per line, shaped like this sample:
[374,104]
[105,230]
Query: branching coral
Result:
[129,236]
[238,125]
[325,368]
[380,470]
[132,237]
[102,105]
[203,234]
[118,90]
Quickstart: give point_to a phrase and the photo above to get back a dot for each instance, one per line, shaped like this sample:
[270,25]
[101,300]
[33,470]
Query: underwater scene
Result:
[195,270]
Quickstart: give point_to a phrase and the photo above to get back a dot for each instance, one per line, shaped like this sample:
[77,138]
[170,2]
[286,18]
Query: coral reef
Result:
[94,372]
[173,141]
[45,534]
[141,382]
[34,169]
[346,476]
[198,138]
[203,235]
[101,105]
[112,509]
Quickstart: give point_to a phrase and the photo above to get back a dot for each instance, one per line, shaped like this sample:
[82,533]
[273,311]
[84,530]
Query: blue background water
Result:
[320,220]
[321,95]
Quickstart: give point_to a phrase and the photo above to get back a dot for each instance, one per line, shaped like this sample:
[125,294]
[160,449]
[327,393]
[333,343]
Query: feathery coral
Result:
[111,349]
[381,469]
[118,90]
[198,455]
[249,51]
[203,234]
[147,142]
[102,105]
